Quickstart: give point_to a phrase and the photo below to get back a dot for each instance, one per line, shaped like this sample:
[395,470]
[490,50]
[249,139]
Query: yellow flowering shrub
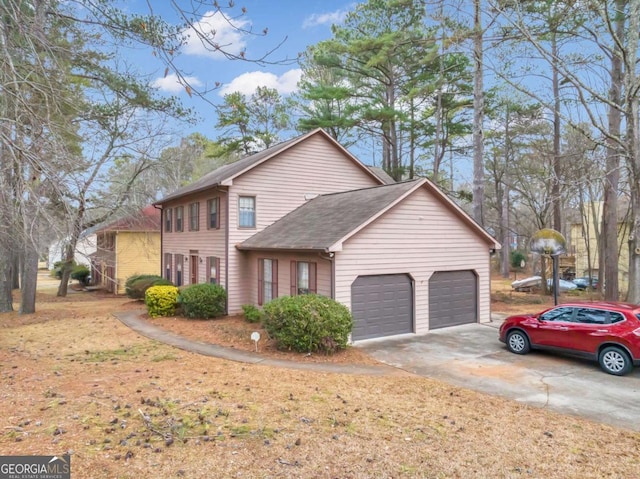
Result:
[161,300]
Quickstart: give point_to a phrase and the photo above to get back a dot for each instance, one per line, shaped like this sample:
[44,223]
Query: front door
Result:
[193,270]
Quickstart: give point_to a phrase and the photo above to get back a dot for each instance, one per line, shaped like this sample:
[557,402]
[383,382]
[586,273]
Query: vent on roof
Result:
[310,196]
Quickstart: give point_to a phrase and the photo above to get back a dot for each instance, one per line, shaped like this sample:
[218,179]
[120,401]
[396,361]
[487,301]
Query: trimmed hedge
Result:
[136,285]
[251,313]
[161,300]
[81,273]
[203,300]
[308,323]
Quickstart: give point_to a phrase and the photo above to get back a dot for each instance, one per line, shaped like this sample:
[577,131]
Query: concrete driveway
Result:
[471,356]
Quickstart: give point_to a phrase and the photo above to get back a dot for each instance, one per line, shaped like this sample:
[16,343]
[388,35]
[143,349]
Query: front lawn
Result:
[74,379]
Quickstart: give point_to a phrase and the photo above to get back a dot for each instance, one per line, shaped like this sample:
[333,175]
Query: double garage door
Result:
[383,305]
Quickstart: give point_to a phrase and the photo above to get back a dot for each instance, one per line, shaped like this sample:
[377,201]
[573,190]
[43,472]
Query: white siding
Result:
[418,236]
[279,185]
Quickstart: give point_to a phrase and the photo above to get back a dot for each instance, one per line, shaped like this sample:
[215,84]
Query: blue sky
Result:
[296,23]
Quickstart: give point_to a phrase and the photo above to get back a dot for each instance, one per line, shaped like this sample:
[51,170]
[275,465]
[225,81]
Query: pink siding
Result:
[418,236]
[279,185]
[250,279]
[207,242]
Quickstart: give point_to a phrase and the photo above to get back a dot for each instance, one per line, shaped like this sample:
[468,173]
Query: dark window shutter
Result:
[294,278]
[313,283]
[274,279]
[260,280]
[217,270]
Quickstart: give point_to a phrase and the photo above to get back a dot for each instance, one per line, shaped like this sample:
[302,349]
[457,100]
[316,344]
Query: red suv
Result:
[604,331]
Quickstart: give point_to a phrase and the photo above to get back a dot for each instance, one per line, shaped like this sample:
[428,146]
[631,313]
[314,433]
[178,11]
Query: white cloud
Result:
[248,82]
[214,29]
[171,83]
[324,18]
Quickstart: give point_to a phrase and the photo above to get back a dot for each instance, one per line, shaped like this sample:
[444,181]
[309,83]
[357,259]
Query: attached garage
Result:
[453,298]
[382,305]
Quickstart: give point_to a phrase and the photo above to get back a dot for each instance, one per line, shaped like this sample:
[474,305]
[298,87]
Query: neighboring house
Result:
[85,247]
[583,241]
[306,216]
[126,247]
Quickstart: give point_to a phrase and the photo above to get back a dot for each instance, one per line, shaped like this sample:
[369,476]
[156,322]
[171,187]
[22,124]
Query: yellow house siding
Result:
[583,238]
[136,253]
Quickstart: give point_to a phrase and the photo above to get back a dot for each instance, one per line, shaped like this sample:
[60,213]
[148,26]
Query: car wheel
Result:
[518,342]
[614,360]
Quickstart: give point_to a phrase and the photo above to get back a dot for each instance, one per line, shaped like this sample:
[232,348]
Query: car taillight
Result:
[636,332]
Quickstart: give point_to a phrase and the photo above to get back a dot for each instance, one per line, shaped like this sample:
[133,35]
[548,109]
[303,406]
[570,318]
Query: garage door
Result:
[453,298]
[381,305]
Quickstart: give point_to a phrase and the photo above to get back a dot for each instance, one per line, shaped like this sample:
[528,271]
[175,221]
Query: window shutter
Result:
[218,270]
[217,203]
[260,280]
[313,284]
[274,279]
[294,278]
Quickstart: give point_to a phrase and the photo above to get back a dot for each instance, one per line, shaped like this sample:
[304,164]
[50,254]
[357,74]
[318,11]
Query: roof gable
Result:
[227,173]
[326,221]
[147,219]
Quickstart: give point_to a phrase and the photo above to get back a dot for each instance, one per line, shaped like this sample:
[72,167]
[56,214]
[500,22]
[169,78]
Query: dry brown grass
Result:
[75,379]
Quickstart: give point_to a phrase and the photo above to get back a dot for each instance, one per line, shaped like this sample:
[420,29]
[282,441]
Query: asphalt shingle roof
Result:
[324,220]
[225,172]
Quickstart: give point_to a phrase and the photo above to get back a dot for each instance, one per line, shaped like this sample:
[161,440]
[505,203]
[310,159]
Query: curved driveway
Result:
[471,356]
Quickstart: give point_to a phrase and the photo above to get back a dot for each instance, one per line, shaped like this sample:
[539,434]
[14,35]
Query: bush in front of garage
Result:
[308,323]
[203,300]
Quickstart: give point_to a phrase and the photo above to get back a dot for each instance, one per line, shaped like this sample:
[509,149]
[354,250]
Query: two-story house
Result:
[307,216]
[125,247]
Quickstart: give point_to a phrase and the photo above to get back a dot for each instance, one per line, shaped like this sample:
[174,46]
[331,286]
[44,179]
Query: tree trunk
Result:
[29,280]
[15,271]
[557,171]
[608,265]
[478,118]
[633,150]
[6,300]
[503,207]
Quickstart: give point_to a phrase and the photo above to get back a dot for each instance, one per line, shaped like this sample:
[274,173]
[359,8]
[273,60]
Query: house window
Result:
[213,266]
[179,266]
[194,216]
[167,266]
[179,216]
[267,280]
[212,213]
[168,217]
[247,212]
[303,278]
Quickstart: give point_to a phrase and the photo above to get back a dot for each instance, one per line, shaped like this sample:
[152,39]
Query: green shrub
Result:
[251,313]
[56,272]
[161,300]
[203,300]
[136,285]
[308,323]
[81,273]
[517,256]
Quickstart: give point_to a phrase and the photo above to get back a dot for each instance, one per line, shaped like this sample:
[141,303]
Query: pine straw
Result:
[74,379]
